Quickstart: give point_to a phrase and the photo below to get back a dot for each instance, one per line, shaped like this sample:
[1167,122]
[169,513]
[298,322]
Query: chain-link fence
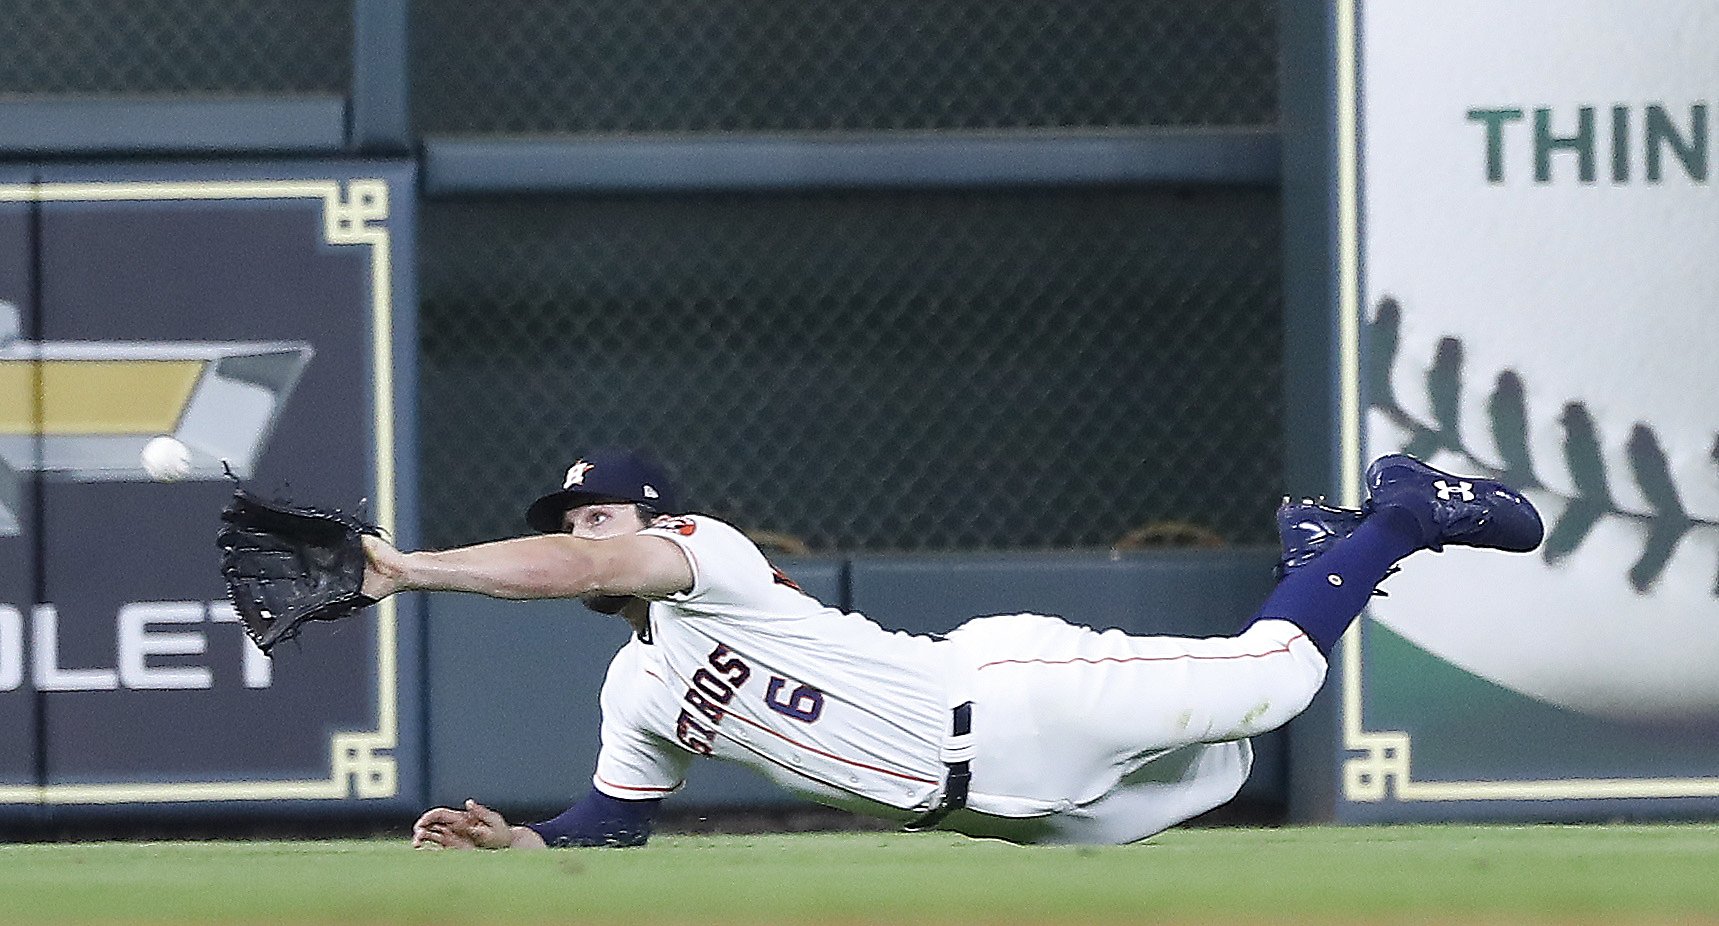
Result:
[864,370]
[176,46]
[645,66]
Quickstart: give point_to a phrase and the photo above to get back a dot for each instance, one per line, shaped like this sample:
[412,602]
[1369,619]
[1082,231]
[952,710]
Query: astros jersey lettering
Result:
[745,666]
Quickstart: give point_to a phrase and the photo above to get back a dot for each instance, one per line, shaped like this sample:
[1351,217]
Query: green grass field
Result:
[1421,874]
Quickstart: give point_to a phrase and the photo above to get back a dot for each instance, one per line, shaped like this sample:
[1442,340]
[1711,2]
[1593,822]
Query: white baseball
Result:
[166,460]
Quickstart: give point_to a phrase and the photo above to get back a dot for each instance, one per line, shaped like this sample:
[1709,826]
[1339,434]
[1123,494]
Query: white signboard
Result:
[1539,292]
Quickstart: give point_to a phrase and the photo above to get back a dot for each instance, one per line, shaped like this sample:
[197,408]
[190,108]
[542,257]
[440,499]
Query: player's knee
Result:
[1299,687]
[1302,679]
[1289,678]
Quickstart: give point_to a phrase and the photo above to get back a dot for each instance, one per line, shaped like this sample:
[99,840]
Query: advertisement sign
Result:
[249,314]
[1533,227]
[18,761]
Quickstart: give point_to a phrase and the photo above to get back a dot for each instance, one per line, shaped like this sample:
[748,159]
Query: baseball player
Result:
[1020,727]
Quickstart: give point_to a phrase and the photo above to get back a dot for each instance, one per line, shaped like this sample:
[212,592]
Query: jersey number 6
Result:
[804,703]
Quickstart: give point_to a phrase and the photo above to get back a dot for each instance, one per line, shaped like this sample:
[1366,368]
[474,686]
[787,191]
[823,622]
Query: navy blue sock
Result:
[599,820]
[1325,596]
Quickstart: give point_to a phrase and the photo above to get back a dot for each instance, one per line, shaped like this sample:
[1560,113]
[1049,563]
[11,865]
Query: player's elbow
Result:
[638,565]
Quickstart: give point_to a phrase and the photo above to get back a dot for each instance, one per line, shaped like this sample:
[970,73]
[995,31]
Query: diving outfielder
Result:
[1020,727]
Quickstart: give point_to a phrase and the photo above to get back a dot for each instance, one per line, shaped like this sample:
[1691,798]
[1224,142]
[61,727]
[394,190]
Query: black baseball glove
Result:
[287,564]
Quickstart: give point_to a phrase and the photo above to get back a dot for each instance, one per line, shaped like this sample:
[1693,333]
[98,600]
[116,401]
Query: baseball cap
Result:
[604,476]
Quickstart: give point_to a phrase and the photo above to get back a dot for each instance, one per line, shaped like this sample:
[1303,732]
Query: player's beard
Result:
[606,604]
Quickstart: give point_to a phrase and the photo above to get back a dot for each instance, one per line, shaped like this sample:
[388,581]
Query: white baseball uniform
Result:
[1077,735]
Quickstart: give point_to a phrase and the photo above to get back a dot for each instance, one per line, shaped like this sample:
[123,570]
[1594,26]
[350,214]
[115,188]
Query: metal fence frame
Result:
[375,118]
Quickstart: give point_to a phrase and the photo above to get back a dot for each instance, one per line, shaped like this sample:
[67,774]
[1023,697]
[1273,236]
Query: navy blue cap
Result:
[604,476]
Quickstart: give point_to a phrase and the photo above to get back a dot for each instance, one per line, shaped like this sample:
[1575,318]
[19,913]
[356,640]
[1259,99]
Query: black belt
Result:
[959,774]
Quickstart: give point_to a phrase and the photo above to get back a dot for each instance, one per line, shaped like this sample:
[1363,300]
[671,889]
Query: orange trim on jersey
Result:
[812,749]
[796,770]
[1063,662]
[617,787]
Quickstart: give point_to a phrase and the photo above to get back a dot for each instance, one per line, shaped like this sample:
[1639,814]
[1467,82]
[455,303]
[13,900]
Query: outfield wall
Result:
[1154,289]
[235,211]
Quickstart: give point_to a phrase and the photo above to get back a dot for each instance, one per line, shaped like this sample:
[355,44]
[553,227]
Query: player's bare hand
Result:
[475,827]
[441,828]
[385,569]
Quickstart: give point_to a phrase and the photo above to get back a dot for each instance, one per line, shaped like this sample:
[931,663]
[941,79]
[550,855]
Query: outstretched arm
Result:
[546,566]
[597,820]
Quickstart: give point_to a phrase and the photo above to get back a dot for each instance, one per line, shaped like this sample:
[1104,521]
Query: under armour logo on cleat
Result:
[1462,490]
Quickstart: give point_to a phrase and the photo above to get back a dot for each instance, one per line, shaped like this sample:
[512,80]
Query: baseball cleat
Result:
[1310,527]
[1463,510]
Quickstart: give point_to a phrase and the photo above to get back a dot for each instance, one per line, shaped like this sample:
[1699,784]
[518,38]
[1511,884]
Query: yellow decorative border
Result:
[361,763]
[1383,768]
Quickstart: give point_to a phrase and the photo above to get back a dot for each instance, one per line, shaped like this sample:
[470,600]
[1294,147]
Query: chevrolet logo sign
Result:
[81,411]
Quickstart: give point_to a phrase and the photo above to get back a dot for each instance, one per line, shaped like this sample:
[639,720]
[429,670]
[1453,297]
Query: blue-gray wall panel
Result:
[944,160]
[201,126]
[512,698]
[381,88]
[1181,592]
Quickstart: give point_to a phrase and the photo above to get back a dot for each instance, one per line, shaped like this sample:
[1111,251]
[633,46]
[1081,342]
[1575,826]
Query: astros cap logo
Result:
[576,474]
